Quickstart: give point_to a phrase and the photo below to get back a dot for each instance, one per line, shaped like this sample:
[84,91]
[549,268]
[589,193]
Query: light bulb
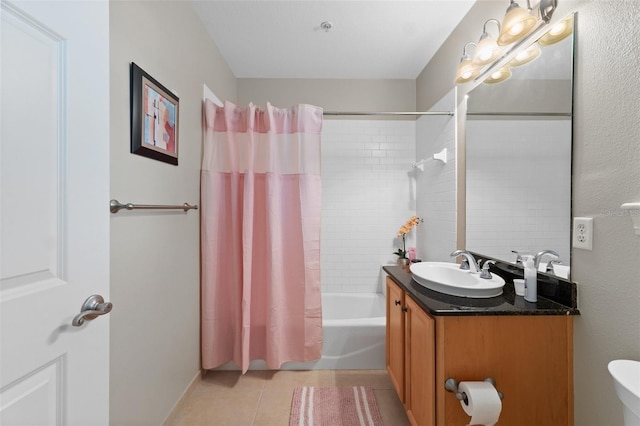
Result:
[525,56]
[517,23]
[557,28]
[497,76]
[516,29]
[466,71]
[558,32]
[488,51]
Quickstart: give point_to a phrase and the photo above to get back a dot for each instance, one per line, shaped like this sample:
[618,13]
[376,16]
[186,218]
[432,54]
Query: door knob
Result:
[92,308]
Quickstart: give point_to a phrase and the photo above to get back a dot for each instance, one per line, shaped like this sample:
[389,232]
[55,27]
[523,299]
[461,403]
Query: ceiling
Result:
[368,39]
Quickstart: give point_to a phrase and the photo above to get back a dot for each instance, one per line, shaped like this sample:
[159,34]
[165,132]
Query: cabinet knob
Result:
[404,309]
[397,302]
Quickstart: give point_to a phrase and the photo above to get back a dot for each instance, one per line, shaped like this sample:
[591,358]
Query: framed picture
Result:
[154,118]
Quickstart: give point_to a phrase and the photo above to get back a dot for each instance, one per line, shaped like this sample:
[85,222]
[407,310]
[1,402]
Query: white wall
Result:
[518,192]
[436,185]
[367,195]
[155,283]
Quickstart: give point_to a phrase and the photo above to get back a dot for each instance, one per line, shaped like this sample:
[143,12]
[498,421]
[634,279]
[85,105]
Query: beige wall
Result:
[332,95]
[155,330]
[605,175]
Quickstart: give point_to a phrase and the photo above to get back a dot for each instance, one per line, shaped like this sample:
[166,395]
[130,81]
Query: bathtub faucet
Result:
[468,262]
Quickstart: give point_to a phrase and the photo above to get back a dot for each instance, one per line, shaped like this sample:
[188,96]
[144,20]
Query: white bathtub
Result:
[353,333]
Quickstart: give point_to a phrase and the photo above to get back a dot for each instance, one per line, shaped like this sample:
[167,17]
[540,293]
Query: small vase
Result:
[402,262]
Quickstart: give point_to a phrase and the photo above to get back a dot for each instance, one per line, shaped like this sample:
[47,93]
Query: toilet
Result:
[626,377]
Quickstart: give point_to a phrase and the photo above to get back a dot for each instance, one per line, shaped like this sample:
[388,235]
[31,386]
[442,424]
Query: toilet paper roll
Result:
[483,403]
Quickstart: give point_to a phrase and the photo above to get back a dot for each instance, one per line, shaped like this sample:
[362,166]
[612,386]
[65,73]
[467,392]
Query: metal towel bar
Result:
[115,206]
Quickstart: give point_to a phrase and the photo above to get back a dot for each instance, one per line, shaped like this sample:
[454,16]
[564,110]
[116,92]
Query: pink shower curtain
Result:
[260,187]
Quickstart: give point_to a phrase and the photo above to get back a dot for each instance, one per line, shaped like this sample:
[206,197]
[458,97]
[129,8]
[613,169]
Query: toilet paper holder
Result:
[451,385]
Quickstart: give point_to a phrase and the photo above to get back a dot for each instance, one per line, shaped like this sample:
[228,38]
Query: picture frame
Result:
[154,118]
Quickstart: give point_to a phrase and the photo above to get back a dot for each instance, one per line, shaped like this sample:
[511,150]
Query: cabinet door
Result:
[395,336]
[529,356]
[419,365]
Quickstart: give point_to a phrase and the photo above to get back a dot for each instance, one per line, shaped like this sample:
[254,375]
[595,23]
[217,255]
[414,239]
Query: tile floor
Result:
[263,398]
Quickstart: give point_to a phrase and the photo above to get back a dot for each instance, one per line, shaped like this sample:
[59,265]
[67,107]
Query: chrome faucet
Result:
[538,257]
[485,269]
[518,257]
[468,260]
[550,264]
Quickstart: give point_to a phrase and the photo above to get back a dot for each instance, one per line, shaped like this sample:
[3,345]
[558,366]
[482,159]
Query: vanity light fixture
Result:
[517,23]
[517,26]
[546,9]
[499,75]
[467,71]
[487,49]
[526,56]
[558,32]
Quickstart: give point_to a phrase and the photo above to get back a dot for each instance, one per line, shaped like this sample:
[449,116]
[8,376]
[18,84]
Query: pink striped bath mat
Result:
[334,406]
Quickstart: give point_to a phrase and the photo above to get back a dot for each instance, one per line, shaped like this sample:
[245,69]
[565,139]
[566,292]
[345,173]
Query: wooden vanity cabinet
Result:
[395,337]
[411,355]
[420,365]
[529,356]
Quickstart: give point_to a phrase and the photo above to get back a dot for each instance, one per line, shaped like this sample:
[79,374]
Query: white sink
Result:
[626,377]
[448,278]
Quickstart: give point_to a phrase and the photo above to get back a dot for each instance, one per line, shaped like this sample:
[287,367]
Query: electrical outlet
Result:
[583,233]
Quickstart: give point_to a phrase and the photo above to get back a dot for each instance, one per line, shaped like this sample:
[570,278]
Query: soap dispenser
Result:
[530,279]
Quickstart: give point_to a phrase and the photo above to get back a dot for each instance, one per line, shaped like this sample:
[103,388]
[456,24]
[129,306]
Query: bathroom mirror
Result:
[518,157]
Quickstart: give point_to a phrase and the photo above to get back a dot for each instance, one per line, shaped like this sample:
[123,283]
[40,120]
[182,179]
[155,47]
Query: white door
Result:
[54,217]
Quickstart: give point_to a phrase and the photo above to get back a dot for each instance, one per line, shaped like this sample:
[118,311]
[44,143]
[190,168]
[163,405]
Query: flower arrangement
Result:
[404,230]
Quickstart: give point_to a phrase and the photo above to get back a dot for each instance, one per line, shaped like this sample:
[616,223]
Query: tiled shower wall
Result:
[367,194]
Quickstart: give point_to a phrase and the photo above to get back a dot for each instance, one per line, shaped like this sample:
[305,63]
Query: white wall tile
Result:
[365,199]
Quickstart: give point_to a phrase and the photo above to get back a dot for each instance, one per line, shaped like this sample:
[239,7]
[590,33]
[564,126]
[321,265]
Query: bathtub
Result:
[353,333]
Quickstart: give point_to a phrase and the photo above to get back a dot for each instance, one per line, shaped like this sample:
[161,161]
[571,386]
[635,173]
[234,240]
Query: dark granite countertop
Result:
[508,303]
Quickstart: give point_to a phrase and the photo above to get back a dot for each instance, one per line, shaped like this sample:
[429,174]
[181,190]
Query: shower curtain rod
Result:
[390,113]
